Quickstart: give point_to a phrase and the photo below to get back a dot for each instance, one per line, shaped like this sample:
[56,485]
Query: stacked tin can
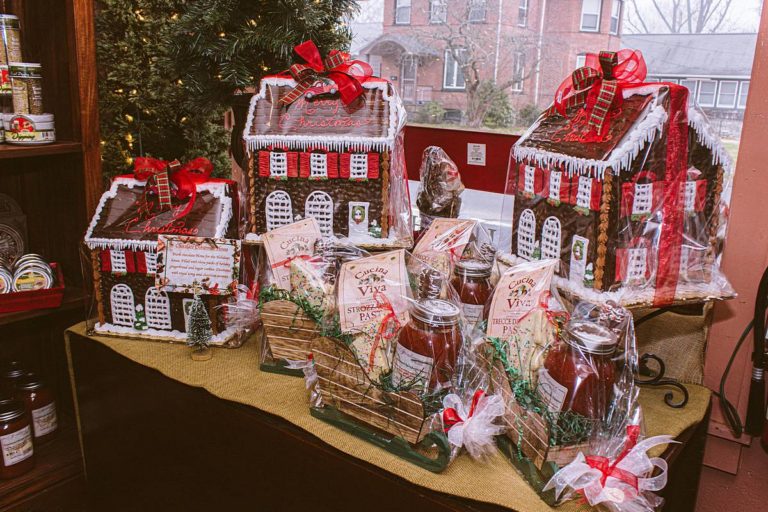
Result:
[30,272]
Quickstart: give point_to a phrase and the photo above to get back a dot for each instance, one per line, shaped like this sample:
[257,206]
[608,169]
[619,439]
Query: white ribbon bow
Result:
[475,430]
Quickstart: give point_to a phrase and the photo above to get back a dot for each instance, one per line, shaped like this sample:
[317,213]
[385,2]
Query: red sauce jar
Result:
[16,448]
[472,281]
[428,346]
[10,372]
[40,406]
[579,372]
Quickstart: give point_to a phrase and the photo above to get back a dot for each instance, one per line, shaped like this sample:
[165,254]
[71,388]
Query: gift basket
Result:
[325,140]
[621,181]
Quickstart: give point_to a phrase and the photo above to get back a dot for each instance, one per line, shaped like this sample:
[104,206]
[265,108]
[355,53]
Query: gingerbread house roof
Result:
[370,123]
[119,224]
[551,140]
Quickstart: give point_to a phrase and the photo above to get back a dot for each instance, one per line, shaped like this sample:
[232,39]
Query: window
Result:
[581,60]
[358,166]
[278,164]
[476,11]
[402,12]
[706,97]
[636,264]
[743,93]
[117,259]
[320,206]
[453,78]
[526,234]
[409,67]
[584,192]
[641,203]
[615,16]
[122,305]
[590,15]
[158,309]
[691,86]
[438,11]
[551,238]
[555,180]
[726,96]
[519,71]
[530,175]
[522,14]
[318,165]
[150,260]
[279,209]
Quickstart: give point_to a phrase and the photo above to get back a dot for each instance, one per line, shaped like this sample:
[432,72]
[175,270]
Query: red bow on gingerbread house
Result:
[172,179]
[346,74]
[598,84]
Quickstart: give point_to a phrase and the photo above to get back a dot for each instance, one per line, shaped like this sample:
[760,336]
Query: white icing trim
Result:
[107,328]
[397,119]
[218,190]
[709,139]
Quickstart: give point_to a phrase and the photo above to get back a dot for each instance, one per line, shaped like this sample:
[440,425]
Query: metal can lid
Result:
[472,268]
[29,382]
[590,337]
[12,370]
[25,69]
[11,409]
[436,312]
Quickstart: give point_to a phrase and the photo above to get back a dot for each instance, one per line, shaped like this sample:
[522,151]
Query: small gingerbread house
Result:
[319,157]
[122,241]
[632,215]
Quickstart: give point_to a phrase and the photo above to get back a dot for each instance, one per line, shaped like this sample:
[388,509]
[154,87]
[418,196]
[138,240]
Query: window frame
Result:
[598,14]
[581,57]
[518,72]
[522,13]
[735,94]
[475,5]
[616,17]
[742,85]
[444,11]
[700,89]
[400,4]
[358,166]
[283,171]
[692,92]
[316,171]
[457,72]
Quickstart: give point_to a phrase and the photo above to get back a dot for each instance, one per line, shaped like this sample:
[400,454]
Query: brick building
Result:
[530,44]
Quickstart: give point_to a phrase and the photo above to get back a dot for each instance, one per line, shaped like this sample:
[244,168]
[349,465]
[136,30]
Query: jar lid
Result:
[29,382]
[590,337]
[8,17]
[472,268]
[436,311]
[12,370]
[10,409]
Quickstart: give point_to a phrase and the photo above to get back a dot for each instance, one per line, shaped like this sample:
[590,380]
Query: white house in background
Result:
[366,26]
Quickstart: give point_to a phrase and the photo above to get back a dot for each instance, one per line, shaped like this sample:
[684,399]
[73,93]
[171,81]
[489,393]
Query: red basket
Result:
[35,299]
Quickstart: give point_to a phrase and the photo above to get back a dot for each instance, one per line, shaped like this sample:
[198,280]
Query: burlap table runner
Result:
[233,374]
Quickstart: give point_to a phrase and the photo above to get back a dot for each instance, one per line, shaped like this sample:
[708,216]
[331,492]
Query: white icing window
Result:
[358,165]
[278,164]
[690,196]
[584,193]
[118,261]
[551,238]
[150,258]
[530,174]
[279,210]
[641,203]
[526,234]
[121,301]
[636,263]
[555,179]
[685,252]
[320,206]
[158,309]
[318,165]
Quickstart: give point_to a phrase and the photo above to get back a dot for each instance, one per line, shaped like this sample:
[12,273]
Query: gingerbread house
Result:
[316,156]
[122,244]
[632,215]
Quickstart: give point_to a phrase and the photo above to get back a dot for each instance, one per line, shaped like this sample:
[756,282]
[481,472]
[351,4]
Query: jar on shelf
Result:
[27,87]
[472,281]
[38,398]
[10,372]
[11,38]
[16,445]
[428,345]
[579,372]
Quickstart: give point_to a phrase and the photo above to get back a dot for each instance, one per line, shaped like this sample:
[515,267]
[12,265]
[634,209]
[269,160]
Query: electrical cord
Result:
[730,412]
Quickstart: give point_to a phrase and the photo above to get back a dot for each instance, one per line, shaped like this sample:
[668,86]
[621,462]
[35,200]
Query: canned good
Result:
[27,86]
[6,280]
[29,129]
[11,36]
[5,80]
[31,272]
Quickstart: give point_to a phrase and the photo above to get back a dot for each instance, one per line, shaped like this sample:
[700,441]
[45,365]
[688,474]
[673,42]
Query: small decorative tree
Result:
[199,332]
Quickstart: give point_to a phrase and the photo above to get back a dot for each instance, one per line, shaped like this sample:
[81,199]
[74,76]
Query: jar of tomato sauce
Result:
[428,346]
[40,404]
[16,448]
[472,281]
[579,372]
[10,372]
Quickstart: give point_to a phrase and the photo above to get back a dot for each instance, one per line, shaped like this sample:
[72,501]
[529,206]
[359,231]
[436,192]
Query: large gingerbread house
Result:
[316,156]
[632,215]
[122,242]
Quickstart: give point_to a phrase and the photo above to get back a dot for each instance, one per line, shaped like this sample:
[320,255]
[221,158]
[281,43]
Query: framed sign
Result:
[210,266]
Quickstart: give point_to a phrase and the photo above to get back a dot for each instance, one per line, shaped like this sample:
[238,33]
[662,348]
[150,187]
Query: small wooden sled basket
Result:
[286,337]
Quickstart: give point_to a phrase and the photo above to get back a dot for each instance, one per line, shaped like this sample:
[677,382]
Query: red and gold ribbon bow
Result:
[451,417]
[160,175]
[597,86]
[607,469]
[287,261]
[388,327]
[348,75]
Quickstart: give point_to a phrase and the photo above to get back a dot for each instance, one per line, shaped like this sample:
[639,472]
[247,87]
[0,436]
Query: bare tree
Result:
[677,16]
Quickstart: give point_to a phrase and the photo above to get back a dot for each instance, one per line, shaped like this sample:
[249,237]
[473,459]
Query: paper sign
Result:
[475,154]
[210,266]
[287,243]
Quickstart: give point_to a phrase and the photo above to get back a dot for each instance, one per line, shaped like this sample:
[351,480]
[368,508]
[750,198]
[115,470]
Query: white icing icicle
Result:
[709,139]
[107,328]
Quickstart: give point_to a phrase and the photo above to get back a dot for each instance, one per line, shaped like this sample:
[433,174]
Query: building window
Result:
[358,166]
[402,12]
[590,15]
[453,78]
[551,238]
[581,60]
[118,263]
[320,206]
[691,86]
[615,16]
[726,96]
[438,11]
[278,209]
[477,11]
[157,308]
[641,203]
[519,76]
[150,260]
[689,201]
[278,164]
[743,93]
[707,89]
[522,14]
[530,177]
[637,263]
[318,165]
[122,305]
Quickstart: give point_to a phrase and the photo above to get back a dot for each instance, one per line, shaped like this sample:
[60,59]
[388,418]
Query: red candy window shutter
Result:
[333,165]
[701,195]
[345,165]
[573,185]
[521,178]
[373,166]
[627,198]
[304,165]
[544,192]
[538,181]
[130,263]
[622,259]
[141,262]
[264,164]
[658,196]
[292,159]
[106,261]
[565,187]
[597,195]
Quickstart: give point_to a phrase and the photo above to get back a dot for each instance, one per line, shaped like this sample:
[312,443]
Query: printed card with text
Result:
[209,266]
[287,243]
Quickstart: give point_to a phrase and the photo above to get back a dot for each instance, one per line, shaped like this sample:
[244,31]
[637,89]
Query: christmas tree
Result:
[199,331]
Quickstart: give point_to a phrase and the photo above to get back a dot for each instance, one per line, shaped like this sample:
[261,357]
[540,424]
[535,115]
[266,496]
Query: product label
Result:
[31,280]
[472,312]
[411,368]
[44,419]
[552,392]
[444,242]
[16,447]
[287,243]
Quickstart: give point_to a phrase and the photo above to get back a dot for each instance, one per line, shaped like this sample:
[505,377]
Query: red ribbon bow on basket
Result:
[386,328]
[452,417]
[161,175]
[603,464]
[598,84]
[347,74]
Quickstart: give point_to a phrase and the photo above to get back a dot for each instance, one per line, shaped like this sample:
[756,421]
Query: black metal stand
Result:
[656,378]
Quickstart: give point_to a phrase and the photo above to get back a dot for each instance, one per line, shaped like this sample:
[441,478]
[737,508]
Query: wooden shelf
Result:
[73,299]
[57,148]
